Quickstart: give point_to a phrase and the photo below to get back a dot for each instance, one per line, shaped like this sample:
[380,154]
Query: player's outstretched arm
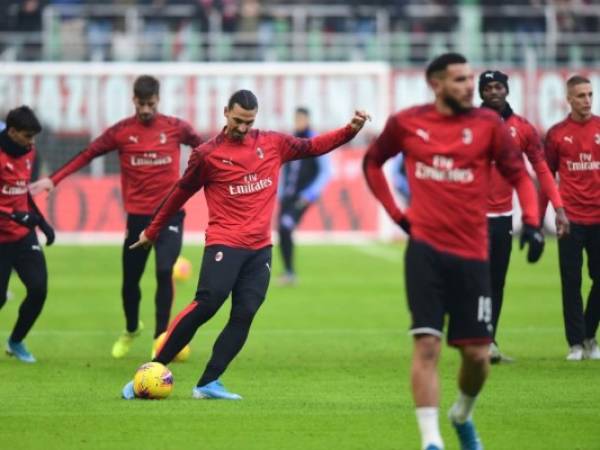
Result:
[99,146]
[194,177]
[358,121]
[41,185]
[142,241]
[173,203]
[297,148]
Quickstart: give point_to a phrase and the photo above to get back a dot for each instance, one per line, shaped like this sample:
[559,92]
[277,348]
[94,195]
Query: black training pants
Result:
[25,256]
[580,325]
[500,236]
[244,274]
[167,248]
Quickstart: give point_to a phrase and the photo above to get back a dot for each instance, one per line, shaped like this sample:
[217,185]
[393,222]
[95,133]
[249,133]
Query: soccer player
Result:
[19,246]
[302,182]
[239,170]
[449,147]
[493,89]
[573,150]
[149,151]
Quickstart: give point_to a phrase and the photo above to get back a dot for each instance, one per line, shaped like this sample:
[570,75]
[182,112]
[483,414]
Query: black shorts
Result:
[291,210]
[440,284]
[26,257]
[225,270]
[167,245]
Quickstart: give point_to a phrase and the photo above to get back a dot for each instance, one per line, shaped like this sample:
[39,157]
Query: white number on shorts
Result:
[484,310]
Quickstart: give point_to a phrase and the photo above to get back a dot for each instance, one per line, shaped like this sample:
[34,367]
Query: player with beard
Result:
[149,151]
[239,170]
[493,90]
[449,148]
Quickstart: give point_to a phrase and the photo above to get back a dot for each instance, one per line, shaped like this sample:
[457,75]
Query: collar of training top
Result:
[11,147]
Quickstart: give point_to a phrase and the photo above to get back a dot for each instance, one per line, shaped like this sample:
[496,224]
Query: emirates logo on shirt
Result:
[586,162]
[150,159]
[19,188]
[443,170]
[252,184]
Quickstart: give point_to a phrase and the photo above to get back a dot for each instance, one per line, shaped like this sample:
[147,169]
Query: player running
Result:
[573,151]
[239,170]
[449,148]
[149,151]
[493,89]
[19,246]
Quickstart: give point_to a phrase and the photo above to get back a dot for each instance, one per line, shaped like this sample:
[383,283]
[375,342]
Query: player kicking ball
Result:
[238,170]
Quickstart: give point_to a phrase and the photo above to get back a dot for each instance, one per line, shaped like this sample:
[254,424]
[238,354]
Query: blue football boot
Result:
[214,390]
[19,351]
[127,392]
[467,435]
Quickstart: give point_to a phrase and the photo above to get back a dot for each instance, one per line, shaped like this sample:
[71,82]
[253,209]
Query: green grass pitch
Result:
[326,365]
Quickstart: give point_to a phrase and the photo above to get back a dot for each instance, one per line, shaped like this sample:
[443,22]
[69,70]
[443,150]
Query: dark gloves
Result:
[32,220]
[47,230]
[405,225]
[534,237]
[26,218]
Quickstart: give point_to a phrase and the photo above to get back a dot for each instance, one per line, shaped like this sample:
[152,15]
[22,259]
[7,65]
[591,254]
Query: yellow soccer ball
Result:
[152,381]
[182,356]
[182,270]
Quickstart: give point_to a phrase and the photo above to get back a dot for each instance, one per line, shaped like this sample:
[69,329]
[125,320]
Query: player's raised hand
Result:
[359,119]
[41,185]
[563,227]
[142,242]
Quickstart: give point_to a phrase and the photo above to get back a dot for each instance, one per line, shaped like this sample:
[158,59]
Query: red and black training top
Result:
[448,163]
[529,143]
[240,183]
[573,150]
[149,154]
[15,175]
